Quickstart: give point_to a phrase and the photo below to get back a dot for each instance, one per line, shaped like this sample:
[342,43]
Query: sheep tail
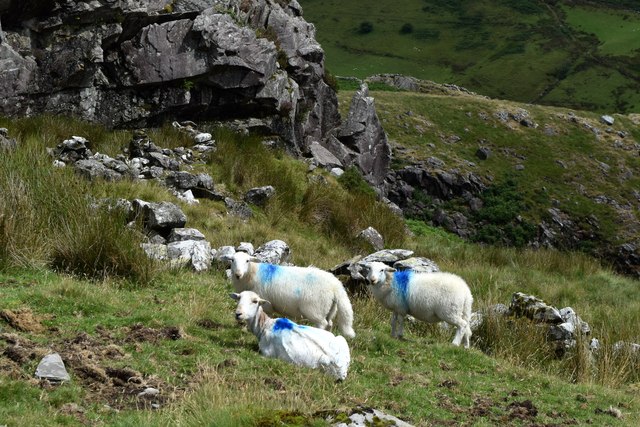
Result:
[344,317]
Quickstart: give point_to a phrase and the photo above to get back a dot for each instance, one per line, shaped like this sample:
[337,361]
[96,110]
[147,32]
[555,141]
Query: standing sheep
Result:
[298,344]
[430,297]
[296,292]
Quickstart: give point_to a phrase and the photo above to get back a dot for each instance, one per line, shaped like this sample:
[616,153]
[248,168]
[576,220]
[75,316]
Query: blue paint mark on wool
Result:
[401,284]
[283,324]
[267,272]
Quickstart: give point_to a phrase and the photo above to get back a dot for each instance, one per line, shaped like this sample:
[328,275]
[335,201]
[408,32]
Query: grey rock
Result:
[193,253]
[156,251]
[273,252]
[93,169]
[483,153]
[388,256]
[6,143]
[608,120]
[223,252]
[363,417]
[182,234]
[363,133]
[202,138]
[323,156]
[52,368]
[534,308]
[417,264]
[239,209]
[163,216]
[373,237]
[260,196]
[245,247]
[337,172]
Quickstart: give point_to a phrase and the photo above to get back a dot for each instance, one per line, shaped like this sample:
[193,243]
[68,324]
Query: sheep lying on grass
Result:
[298,344]
[430,297]
[296,292]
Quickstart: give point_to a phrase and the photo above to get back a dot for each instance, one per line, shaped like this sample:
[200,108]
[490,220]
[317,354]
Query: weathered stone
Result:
[483,153]
[156,251]
[273,252]
[417,264]
[373,237]
[182,234]
[193,253]
[324,157]
[239,209]
[388,256]
[608,120]
[163,216]
[52,368]
[245,247]
[260,196]
[534,308]
[363,133]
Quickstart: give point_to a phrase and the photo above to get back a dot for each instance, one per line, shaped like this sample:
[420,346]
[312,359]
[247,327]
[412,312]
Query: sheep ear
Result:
[390,269]
[254,259]
[263,301]
[234,296]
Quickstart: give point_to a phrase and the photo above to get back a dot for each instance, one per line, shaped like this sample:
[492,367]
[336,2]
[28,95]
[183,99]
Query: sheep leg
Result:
[461,331]
[397,325]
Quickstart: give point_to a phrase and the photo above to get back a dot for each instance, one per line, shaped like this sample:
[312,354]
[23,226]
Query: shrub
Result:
[499,219]
[353,181]
[365,27]
[406,29]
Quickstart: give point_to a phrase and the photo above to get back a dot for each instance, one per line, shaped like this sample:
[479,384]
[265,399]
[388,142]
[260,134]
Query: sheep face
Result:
[377,272]
[240,264]
[248,304]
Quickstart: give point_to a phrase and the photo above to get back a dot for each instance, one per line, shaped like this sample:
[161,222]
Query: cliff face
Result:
[134,63]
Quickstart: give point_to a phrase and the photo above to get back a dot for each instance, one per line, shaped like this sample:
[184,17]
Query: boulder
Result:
[260,196]
[417,264]
[372,237]
[273,252]
[163,216]
[363,134]
[182,234]
[534,308]
[191,253]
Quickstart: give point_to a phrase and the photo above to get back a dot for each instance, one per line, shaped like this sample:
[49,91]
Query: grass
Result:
[523,51]
[174,330]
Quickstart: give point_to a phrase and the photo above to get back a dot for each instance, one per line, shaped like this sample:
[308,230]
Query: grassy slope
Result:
[519,50]
[213,375]
[562,158]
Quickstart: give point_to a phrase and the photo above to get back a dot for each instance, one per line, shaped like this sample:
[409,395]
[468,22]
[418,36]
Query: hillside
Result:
[577,54]
[74,280]
[528,174]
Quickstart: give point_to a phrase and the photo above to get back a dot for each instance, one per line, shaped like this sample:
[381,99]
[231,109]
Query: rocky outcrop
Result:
[140,62]
[252,64]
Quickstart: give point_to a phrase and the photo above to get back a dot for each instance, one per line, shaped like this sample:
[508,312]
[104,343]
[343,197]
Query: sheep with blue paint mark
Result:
[298,344]
[295,292]
[430,297]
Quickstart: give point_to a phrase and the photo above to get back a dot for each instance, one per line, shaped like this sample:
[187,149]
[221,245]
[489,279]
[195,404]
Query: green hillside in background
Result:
[576,54]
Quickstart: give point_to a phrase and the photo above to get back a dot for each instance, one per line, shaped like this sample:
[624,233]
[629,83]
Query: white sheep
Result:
[430,297]
[298,344]
[295,292]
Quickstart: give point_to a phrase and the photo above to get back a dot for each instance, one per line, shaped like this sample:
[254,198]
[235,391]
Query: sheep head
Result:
[239,263]
[376,272]
[248,305]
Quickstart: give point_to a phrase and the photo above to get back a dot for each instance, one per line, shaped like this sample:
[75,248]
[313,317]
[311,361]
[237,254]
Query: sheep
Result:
[283,339]
[295,292]
[430,297]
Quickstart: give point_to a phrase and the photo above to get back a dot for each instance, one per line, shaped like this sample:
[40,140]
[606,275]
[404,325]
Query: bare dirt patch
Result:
[22,319]
[97,364]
